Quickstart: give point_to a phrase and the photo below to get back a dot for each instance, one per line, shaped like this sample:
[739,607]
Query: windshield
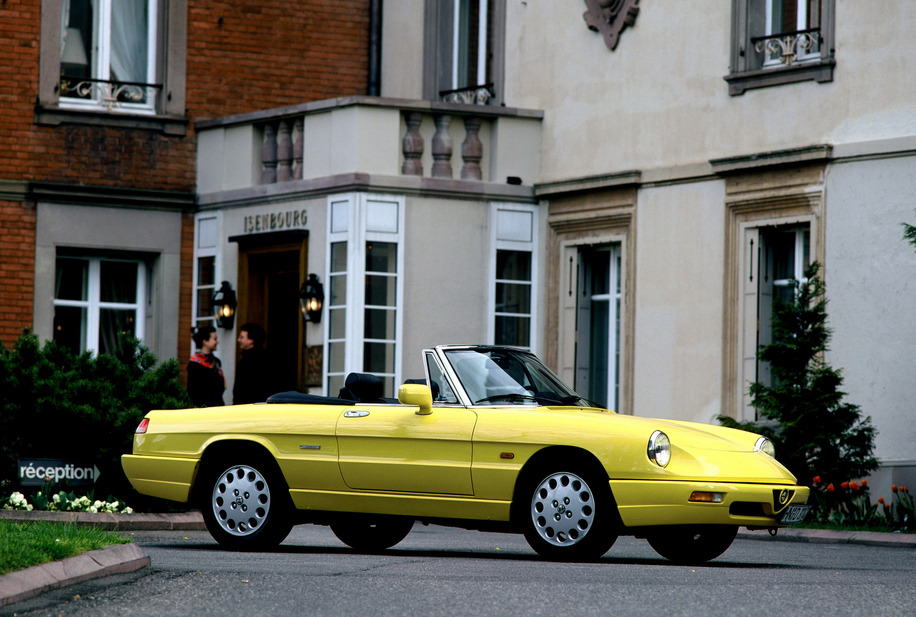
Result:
[492,375]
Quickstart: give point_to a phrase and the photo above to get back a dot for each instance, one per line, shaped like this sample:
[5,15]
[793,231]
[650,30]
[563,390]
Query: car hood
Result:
[699,452]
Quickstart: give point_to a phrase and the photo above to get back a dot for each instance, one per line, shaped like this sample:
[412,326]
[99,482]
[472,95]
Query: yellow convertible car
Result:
[489,440]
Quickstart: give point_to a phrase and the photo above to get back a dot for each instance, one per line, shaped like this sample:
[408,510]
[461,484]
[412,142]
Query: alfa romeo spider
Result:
[488,439]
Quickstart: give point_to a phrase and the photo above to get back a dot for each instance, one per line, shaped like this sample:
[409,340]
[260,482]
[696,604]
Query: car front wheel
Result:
[371,533]
[692,544]
[247,506]
[570,516]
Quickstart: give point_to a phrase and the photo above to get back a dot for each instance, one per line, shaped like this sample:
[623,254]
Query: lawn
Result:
[23,545]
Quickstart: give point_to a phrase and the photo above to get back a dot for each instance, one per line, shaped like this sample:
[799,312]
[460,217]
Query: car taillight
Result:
[144,423]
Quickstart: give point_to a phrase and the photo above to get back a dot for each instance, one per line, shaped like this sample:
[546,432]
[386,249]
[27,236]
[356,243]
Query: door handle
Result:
[354,413]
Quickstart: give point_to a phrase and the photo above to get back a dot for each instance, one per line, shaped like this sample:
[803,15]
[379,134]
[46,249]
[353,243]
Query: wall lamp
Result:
[311,299]
[224,303]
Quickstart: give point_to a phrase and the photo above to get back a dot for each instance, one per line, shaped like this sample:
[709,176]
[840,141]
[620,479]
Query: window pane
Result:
[600,269]
[513,265]
[129,40]
[513,331]
[335,383]
[205,303]
[338,290]
[338,257]
[336,357]
[119,282]
[113,324]
[77,55]
[513,298]
[379,324]
[337,323]
[70,327]
[380,290]
[378,357]
[598,350]
[72,276]
[206,271]
[381,257]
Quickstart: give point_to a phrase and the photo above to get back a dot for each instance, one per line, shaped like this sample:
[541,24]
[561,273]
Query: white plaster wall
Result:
[402,49]
[871,292]
[679,274]
[445,271]
[660,100]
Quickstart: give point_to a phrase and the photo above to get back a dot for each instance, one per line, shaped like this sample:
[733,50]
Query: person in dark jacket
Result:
[253,375]
[206,382]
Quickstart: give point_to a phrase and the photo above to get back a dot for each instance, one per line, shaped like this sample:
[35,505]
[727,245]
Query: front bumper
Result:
[648,503]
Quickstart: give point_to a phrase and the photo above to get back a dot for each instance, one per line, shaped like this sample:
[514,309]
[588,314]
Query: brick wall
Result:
[245,56]
[17,269]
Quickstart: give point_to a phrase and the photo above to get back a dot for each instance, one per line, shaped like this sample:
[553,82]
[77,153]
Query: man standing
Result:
[253,375]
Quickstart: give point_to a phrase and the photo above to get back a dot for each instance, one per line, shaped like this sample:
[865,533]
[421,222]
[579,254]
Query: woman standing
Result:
[206,382]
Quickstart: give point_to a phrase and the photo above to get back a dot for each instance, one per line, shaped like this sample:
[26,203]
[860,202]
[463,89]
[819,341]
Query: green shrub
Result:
[79,407]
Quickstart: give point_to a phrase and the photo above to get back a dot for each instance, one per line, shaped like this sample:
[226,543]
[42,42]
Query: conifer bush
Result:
[79,407]
[816,432]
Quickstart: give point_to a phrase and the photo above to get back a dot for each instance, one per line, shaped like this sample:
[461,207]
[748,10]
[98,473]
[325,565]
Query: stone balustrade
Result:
[369,135]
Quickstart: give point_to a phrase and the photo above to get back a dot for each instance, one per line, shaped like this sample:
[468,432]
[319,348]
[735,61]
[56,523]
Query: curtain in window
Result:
[129,28]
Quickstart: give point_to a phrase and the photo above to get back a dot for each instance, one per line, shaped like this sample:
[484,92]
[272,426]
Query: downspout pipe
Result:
[375,47]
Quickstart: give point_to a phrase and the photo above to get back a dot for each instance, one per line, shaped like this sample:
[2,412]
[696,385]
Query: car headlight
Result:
[659,449]
[766,446]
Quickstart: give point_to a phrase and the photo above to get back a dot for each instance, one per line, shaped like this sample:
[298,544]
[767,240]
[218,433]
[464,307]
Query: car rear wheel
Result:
[372,533]
[692,544]
[571,515]
[247,505]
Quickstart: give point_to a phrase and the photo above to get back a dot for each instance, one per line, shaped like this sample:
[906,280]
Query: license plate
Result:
[793,515]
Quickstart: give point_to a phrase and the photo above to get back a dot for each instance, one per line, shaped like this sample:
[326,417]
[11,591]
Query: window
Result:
[205,270]
[118,57]
[785,252]
[781,41]
[514,275]
[96,300]
[108,54]
[365,262]
[598,324]
[465,39]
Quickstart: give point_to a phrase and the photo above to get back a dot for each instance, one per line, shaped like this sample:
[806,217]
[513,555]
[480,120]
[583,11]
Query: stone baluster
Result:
[412,145]
[284,152]
[471,150]
[442,148]
[269,155]
[297,148]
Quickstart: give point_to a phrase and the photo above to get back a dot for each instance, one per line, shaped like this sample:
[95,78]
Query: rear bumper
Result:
[161,476]
[647,503]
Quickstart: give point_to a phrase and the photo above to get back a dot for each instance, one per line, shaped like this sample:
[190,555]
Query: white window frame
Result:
[614,298]
[93,304]
[514,240]
[205,246]
[749,301]
[358,218]
[101,42]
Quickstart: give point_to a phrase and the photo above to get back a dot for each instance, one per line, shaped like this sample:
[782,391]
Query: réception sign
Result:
[41,471]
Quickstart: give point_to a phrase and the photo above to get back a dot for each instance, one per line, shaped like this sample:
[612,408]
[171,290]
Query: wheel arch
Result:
[554,457]
[226,450]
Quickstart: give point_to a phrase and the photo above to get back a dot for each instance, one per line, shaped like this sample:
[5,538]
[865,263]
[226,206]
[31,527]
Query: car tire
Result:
[692,544]
[246,504]
[569,515]
[371,534]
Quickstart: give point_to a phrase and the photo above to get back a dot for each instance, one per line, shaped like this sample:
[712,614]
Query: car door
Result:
[391,448]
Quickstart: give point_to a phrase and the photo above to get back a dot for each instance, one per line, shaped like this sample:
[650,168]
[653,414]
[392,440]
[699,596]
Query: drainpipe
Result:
[375,47]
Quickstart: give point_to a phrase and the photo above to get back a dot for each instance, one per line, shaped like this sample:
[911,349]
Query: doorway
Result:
[270,274]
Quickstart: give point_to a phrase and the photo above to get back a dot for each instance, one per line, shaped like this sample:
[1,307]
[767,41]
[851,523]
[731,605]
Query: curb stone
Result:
[30,582]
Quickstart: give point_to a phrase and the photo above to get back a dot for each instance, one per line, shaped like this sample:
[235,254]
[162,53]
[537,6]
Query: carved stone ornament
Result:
[610,17]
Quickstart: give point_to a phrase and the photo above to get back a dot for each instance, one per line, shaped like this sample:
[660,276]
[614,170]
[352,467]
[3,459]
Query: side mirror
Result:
[417,395]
